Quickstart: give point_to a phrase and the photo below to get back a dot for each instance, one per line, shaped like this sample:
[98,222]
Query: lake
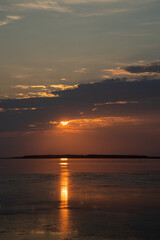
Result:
[83,199]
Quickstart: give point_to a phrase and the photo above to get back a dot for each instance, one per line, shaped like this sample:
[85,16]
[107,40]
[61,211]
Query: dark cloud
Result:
[72,102]
[145,68]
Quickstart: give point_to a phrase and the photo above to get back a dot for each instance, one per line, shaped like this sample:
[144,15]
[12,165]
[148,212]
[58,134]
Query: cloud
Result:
[116,102]
[21,86]
[69,6]
[32,91]
[138,69]
[14,17]
[113,98]
[22,76]
[63,87]
[35,95]
[104,12]
[9,19]
[150,23]
[81,70]
[88,1]
[62,6]
[38,86]
[43,5]
[150,68]
[103,1]
[49,69]
[5,22]
[29,86]
[90,7]
[21,109]
[94,123]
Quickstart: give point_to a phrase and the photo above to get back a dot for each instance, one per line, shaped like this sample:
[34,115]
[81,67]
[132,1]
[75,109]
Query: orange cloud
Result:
[29,86]
[93,123]
[114,103]
[139,68]
[21,109]
[63,87]
[1,110]
[34,95]
[119,72]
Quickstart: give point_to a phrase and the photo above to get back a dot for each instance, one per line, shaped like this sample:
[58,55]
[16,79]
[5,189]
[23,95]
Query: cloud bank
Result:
[109,98]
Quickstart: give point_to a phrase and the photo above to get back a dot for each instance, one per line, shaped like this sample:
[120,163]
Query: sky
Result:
[79,77]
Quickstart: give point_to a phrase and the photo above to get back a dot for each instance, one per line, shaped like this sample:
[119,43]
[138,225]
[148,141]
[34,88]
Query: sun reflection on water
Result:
[63,163]
[64,182]
[64,159]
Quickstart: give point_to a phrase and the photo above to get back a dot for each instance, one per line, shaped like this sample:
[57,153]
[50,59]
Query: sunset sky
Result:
[79,77]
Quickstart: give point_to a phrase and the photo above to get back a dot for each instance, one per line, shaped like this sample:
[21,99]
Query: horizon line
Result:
[81,156]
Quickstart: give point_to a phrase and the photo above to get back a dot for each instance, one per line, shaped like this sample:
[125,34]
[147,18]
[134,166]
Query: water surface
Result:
[109,199]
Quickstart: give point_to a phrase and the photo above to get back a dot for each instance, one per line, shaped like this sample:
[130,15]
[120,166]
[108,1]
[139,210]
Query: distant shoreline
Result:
[85,156]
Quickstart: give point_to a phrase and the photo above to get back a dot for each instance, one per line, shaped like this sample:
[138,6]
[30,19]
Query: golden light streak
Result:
[64,211]
[64,159]
[63,163]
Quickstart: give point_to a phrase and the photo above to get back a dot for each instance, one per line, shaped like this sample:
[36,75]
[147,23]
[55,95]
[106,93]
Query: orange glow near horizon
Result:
[84,124]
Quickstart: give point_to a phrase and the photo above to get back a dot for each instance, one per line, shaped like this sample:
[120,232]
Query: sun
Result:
[64,123]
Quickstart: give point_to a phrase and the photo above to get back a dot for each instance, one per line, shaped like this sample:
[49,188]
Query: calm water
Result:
[90,199]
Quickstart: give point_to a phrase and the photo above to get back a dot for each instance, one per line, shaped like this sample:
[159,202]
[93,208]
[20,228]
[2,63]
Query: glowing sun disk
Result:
[64,123]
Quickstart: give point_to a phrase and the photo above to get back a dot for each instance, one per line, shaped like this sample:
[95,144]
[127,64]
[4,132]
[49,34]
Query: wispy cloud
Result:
[14,17]
[43,5]
[81,70]
[104,1]
[21,109]
[105,7]
[22,76]
[115,103]
[88,1]
[63,79]
[35,95]
[150,23]
[4,22]
[104,12]
[29,86]
[9,19]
